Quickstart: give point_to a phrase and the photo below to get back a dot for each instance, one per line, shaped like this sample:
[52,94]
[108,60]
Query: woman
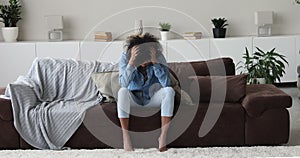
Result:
[145,81]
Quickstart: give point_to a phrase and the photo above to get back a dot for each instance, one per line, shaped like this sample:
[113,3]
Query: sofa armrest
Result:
[262,97]
[6,110]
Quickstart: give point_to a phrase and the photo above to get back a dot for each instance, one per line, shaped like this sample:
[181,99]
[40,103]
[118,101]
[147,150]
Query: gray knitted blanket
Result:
[50,103]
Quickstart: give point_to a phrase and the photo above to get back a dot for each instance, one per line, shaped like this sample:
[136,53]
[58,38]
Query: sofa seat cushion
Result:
[218,88]
[102,122]
[262,97]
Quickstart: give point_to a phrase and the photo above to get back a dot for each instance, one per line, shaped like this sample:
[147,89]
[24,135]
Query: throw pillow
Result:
[181,96]
[108,84]
[210,87]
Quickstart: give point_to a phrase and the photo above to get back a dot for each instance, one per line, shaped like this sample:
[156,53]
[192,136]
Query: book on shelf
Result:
[103,40]
[102,33]
[103,36]
[191,38]
[192,35]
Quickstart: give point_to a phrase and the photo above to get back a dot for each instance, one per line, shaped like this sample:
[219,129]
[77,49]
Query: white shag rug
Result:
[211,152]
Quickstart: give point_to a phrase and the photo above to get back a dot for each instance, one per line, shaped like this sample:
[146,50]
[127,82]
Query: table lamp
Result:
[55,27]
[264,21]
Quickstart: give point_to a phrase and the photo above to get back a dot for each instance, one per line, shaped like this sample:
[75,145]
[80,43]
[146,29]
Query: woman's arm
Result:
[125,71]
[160,68]
[162,73]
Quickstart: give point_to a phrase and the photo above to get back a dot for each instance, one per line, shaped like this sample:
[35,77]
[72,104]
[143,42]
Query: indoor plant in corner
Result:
[164,30]
[264,67]
[219,31]
[10,15]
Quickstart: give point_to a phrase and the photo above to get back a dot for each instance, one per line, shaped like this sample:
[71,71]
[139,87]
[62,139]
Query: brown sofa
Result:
[249,114]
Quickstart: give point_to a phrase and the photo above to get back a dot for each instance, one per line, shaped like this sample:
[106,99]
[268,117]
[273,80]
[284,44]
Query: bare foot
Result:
[127,145]
[162,144]
[128,148]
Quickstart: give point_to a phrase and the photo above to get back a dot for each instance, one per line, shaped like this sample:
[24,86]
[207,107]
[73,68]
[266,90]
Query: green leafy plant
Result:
[219,22]
[268,65]
[10,14]
[165,26]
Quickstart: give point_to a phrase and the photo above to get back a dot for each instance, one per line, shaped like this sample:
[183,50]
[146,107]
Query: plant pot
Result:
[219,32]
[10,34]
[164,35]
[261,80]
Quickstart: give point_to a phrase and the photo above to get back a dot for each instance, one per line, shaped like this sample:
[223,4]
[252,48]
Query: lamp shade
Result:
[55,22]
[263,17]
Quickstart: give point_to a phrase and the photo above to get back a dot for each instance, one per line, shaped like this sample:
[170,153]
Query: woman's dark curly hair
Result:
[145,43]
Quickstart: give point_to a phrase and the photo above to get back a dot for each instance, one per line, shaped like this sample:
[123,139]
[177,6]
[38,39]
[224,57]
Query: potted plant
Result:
[264,67]
[219,31]
[10,15]
[164,30]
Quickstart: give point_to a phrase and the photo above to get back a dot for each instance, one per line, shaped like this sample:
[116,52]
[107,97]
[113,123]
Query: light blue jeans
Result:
[163,98]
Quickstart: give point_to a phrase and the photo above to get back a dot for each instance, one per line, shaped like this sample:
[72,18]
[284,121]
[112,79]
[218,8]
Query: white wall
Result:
[81,16]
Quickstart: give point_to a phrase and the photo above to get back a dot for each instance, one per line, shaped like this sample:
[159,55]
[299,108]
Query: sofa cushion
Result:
[214,67]
[181,96]
[209,88]
[262,97]
[108,84]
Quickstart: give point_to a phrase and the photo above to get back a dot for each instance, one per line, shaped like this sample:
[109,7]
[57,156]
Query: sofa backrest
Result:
[2,91]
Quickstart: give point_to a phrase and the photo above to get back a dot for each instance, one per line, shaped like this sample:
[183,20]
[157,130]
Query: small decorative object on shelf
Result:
[101,36]
[264,21]
[164,30]
[264,67]
[138,27]
[219,31]
[10,15]
[55,26]
[192,35]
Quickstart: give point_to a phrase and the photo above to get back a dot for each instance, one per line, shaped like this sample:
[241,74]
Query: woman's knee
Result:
[169,91]
[123,91]
[123,97]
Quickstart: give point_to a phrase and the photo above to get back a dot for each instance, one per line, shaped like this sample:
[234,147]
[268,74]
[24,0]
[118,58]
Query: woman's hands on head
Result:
[134,53]
[153,55]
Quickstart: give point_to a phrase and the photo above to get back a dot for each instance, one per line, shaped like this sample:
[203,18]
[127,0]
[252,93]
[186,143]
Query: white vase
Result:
[10,34]
[138,27]
[164,35]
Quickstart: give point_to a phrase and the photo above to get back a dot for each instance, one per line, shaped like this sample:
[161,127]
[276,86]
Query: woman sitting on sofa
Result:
[145,81]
